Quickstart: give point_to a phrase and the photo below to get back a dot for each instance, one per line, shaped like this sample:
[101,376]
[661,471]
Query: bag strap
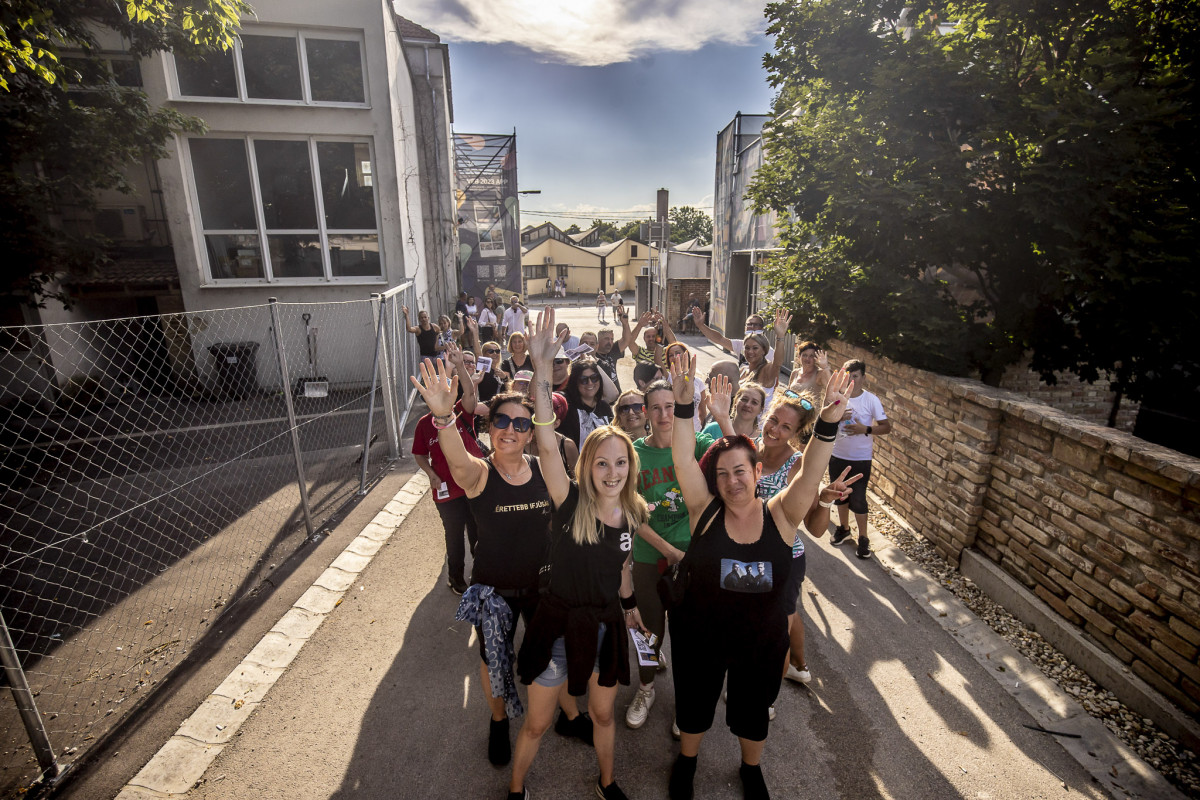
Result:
[707,516]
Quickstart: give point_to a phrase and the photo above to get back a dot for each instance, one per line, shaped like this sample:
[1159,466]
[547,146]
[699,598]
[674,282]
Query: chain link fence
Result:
[154,470]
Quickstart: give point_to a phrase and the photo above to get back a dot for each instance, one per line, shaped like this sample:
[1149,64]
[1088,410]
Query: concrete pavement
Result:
[911,697]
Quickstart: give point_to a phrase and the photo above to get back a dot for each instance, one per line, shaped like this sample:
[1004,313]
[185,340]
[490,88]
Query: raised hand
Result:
[698,315]
[437,386]
[646,318]
[472,324]
[544,344]
[837,396]
[454,355]
[405,310]
[822,361]
[720,394]
[783,318]
[683,373]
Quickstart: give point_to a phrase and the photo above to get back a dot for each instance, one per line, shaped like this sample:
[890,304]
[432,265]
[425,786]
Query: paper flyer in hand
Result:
[645,648]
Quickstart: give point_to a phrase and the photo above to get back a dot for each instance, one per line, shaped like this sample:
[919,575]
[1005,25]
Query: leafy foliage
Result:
[70,129]
[690,223]
[959,183]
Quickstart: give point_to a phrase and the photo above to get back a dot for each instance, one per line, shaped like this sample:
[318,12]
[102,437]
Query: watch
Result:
[868,430]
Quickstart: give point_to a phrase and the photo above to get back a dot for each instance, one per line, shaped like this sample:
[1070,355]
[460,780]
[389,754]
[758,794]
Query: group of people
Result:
[583,495]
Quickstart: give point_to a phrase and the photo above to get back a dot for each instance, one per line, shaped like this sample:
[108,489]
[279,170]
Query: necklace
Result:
[508,477]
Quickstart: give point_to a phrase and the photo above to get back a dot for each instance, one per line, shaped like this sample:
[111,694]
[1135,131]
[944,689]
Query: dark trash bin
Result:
[236,368]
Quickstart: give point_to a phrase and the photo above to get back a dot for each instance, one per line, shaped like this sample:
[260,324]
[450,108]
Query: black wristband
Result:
[629,602]
[685,410]
[823,429]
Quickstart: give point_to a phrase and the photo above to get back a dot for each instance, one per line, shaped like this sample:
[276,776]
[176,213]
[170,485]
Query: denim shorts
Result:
[555,673]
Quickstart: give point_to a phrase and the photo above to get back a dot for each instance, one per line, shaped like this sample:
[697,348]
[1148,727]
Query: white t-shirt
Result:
[859,447]
[514,320]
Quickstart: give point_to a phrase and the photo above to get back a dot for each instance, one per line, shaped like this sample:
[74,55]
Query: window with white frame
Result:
[286,209]
[305,67]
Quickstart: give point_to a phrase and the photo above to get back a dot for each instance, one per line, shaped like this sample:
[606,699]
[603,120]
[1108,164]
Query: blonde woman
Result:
[578,633]
[810,368]
[761,366]
[518,354]
[744,418]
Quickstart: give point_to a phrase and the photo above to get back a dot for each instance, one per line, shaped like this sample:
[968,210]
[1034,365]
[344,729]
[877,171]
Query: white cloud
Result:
[591,32]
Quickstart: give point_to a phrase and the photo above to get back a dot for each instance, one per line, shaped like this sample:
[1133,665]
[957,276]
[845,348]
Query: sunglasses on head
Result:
[519,424]
[589,379]
[637,408]
[804,401]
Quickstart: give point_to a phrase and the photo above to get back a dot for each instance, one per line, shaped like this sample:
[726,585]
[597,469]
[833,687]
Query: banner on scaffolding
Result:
[489,246]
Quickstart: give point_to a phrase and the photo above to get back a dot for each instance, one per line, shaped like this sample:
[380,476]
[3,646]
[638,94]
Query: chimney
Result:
[662,205]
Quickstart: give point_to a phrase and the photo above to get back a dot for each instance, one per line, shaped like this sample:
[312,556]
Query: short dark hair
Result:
[508,397]
[800,348]
[646,372]
[855,364]
[659,385]
[708,462]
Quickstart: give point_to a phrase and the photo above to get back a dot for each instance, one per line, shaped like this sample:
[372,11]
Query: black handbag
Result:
[673,584]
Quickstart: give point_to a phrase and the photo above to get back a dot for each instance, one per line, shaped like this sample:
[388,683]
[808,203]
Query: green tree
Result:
[573,229]
[690,223]
[70,129]
[960,183]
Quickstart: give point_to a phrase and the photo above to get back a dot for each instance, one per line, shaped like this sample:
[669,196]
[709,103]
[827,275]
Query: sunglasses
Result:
[804,401]
[562,361]
[631,409]
[519,424]
[589,379]
[491,352]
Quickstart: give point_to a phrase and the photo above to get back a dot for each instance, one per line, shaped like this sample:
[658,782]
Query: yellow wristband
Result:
[551,422]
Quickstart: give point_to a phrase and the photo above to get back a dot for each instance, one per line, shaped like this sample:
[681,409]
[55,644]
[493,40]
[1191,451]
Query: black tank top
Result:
[514,530]
[738,588]
[427,342]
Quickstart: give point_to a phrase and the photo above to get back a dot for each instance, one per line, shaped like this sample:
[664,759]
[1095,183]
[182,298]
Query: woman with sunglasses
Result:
[736,631]
[759,367]
[784,433]
[631,414]
[586,406]
[508,496]
[577,636]
[488,320]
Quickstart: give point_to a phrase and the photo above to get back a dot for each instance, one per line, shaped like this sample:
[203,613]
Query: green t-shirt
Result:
[657,485]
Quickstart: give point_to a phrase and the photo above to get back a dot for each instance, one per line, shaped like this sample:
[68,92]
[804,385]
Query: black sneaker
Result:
[864,548]
[499,748]
[610,792]
[580,727]
[753,785]
[683,775]
[521,795]
[840,535]
[457,586]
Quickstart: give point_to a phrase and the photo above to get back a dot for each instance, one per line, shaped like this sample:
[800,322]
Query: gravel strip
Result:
[1175,761]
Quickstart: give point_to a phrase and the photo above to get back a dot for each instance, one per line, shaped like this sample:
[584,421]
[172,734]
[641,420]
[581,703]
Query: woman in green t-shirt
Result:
[664,539]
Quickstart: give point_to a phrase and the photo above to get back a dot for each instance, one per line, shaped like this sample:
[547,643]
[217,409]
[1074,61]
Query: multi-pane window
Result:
[305,67]
[278,209]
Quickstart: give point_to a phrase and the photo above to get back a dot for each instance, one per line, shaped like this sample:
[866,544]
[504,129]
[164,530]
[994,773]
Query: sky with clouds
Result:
[610,99]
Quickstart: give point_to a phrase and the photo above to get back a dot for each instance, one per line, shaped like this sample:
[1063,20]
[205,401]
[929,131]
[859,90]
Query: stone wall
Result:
[1102,526]
[1091,401]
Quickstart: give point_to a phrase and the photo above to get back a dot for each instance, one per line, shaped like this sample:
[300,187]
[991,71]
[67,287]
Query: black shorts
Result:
[858,489]
[522,604]
[699,665]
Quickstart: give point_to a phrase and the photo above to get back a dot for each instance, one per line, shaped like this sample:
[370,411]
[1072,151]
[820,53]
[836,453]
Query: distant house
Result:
[325,174]
[547,254]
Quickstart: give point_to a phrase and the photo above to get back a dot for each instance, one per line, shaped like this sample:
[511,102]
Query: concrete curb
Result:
[1112,764]
[182,761]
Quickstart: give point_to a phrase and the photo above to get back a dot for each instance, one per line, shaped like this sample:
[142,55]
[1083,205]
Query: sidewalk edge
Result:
[182,761]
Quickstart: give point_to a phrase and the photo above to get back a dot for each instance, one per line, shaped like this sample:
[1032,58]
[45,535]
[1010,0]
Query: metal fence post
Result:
[366,453]
[291,413]
[23,697]
[378,305]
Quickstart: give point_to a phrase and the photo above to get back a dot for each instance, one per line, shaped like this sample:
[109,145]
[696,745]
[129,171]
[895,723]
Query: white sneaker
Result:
[639,709]
[798,675]
[675,729]
[662,661]
[771,713]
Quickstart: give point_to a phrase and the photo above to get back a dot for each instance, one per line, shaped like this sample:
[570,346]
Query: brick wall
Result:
[1092,401]
[1102,526]
[679,291]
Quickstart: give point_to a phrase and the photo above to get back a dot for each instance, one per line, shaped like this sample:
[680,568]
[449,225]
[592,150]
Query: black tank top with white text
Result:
[514,530]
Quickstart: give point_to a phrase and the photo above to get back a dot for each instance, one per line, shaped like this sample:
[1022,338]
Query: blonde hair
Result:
[584,528]
[515,335]
[807,417]
[749,386]
[763,342]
